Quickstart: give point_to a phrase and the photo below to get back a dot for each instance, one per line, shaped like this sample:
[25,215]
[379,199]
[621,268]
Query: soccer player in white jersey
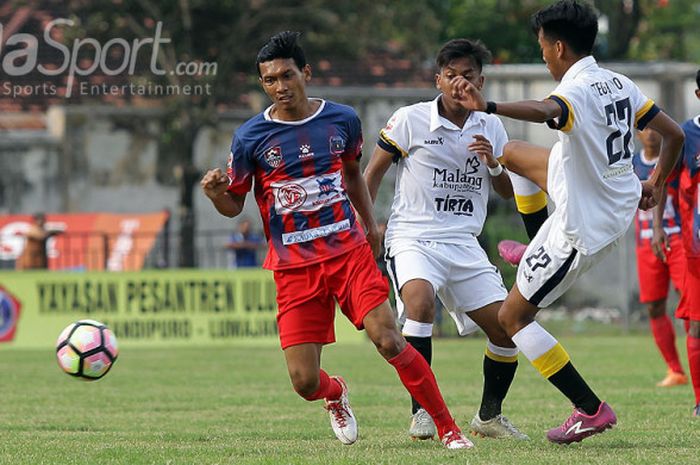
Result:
[588,174]
[447,162]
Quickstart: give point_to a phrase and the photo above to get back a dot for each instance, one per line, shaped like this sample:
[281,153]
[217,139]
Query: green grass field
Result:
[234,405]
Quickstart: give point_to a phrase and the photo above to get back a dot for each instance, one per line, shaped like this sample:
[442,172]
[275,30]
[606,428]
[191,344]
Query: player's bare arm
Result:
[671,145]
[500,182]
[215,185]
[659,241]
[360,199]
[376,169]
[535,111]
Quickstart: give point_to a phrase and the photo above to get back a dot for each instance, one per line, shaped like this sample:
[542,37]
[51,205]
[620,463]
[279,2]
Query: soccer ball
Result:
[86,349]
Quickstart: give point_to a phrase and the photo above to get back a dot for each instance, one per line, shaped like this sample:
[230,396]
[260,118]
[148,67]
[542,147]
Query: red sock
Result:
[419,380]
[328,388]
[686,325]
[665,337]
[693,344]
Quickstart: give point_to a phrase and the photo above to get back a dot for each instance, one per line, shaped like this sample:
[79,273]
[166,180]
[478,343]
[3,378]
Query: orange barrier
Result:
[89,241]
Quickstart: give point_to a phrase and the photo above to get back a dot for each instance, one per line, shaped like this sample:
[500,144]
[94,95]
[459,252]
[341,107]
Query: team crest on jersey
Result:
[273,156]
[291,196]
[472,165]
[326,186]
[337,144]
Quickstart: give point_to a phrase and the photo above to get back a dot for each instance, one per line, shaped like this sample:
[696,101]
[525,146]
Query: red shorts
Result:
[306,296]
[689,307]
[654,275]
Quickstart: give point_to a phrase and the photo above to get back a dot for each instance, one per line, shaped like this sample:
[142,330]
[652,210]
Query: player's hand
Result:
[374,238]
[650,196]
[482,147]
[214,183]
[660,244]
[467,94]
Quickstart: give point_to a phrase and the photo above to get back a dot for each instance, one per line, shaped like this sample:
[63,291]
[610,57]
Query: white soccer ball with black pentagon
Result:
[86,349]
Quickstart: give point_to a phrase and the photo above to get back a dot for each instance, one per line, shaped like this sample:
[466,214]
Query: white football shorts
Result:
[551,264]
[461,276]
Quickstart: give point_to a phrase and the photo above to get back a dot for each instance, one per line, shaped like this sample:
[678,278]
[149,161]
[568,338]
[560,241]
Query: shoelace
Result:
[569,421]
[423,420]
[339,412]
[507,424]
[452,436]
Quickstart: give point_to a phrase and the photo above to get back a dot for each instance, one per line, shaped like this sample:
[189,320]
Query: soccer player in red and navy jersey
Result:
[660,257]
[689,200]
[301,157]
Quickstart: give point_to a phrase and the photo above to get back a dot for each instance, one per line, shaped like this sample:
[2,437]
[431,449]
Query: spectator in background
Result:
[34,256]
[244,243]
[660,256]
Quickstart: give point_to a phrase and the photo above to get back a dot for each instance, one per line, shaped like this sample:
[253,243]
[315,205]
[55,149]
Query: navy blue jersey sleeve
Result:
[240,168]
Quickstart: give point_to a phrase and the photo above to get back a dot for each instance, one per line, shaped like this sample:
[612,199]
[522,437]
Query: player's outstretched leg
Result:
[500,365]
[527,168]
[419,300]
[590,415]
[665,338]
[312,383]
[693,346]
[419,335]
[414,372]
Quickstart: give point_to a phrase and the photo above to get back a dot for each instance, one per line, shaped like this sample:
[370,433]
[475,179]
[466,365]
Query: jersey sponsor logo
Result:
[305,152]
[438,141]
[455,204]
[273,156]
[307,235]
[539,259]
[326,186]
[457,180]
[291,196]
[576,428]
[337,145]
[308,194]
[9,315]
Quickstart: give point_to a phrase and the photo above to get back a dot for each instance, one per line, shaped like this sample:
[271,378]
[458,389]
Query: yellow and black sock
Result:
[533,211]
[500,364]
[549,358]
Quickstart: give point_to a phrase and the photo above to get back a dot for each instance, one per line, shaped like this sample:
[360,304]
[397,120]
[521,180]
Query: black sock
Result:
[424,346]
[497,379]
[534,221]
[570,383]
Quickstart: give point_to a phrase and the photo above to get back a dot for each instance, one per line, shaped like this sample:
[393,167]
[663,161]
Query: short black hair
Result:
[282,45]
[461,48]
[572,22]
[697,78]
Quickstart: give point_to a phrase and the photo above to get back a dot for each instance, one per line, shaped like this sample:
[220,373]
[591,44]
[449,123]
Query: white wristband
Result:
[495,171]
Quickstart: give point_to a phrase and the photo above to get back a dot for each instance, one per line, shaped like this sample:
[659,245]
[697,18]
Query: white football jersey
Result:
[441,188]
[590,177]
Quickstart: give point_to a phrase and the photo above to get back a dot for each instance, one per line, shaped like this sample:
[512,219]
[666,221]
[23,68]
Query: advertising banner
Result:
[87,241]
[147,308]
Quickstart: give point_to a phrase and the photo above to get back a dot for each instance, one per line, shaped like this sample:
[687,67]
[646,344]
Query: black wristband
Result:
[490,107]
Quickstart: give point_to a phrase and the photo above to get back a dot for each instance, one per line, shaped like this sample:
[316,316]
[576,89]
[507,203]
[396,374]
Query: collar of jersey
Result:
[579,66]
[436,121]
[645,161]
[267,116]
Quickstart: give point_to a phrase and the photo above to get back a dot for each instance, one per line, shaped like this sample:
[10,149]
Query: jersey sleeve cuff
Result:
[646,114]
[566,120]
[385,143]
